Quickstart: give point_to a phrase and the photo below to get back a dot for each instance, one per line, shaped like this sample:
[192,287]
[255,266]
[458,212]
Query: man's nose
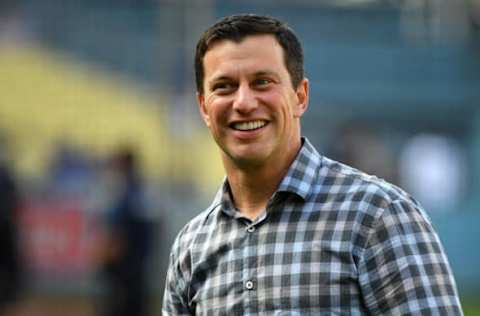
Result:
[245,100]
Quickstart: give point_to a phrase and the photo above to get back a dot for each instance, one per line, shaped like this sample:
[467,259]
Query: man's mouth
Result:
[248,126]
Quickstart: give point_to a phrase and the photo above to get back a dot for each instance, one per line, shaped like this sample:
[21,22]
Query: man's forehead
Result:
[251,62]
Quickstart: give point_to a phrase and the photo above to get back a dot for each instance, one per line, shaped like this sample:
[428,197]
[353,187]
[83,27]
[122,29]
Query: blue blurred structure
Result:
[403,68]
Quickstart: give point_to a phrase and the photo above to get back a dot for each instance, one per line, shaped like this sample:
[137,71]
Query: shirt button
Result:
[249,285]
[251,229]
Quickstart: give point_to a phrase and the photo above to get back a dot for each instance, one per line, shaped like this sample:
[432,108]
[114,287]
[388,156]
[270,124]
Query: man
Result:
[292,232]
[125,250]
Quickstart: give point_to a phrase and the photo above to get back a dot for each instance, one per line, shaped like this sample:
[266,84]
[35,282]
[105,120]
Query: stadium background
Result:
[395,90]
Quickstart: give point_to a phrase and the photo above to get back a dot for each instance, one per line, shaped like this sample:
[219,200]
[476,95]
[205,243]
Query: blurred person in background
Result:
[291,231]
[10,263]
[126,246]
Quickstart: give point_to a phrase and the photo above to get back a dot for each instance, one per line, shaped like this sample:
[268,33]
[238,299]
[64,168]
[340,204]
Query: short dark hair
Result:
[237,27]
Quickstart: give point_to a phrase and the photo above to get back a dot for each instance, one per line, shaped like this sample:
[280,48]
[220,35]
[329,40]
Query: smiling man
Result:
[253,112]
[292,232]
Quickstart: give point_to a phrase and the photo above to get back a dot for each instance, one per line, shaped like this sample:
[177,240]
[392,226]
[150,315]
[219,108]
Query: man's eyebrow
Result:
[256,74]
[220,78]
[267,73]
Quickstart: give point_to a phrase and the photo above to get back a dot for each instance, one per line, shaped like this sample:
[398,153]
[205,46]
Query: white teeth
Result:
[246,126]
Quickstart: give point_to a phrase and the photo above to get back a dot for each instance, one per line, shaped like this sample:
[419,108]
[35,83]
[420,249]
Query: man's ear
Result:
[302,98]
[202,108]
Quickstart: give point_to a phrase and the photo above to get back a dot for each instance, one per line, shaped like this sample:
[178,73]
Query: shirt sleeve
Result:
[175,299]
[404,269]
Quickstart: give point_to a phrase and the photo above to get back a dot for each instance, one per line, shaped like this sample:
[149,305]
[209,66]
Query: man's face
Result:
[249,104]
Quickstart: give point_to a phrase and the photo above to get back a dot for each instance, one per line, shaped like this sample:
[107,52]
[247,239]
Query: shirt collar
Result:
[223,199]
[299,179]
[302,173]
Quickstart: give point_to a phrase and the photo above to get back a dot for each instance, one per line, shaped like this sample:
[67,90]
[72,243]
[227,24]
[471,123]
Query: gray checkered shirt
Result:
[332,240]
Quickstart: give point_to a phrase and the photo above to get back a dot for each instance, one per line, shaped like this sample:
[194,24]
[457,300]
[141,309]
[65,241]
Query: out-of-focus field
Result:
[471,306]
[63,305]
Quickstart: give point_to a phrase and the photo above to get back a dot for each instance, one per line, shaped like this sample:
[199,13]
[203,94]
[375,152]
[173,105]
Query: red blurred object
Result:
[54,237]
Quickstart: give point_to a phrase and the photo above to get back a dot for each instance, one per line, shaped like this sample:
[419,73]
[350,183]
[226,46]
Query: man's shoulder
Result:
[313,174]
[339,179]
[360,198]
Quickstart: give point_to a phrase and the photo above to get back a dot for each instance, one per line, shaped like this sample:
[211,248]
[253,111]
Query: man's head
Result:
[247,95]
[236,28]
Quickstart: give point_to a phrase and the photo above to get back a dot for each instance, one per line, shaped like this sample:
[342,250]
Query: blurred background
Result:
[102,149]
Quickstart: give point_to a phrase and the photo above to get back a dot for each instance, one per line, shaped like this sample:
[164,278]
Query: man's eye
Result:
[262,82]
[223,86]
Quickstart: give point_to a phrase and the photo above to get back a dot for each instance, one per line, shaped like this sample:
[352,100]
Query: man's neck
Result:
[251,192]
[252,188]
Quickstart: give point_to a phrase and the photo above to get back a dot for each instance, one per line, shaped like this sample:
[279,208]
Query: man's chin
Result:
[247,159]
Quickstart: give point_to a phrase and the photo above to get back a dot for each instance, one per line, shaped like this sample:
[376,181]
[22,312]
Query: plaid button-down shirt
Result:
[332,240]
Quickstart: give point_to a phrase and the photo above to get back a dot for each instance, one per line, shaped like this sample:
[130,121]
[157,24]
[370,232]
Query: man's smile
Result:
[249,125]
